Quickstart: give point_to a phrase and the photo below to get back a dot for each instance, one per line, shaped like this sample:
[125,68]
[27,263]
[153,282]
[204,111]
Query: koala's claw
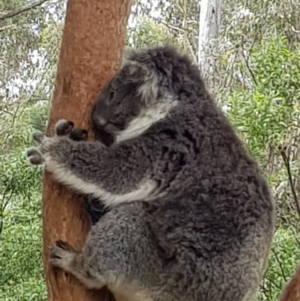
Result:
[57,258]
[33,151]
[64,245]
[63,127]
[61,255]
[56,262]
[78,135]
[38,137]
[34,156]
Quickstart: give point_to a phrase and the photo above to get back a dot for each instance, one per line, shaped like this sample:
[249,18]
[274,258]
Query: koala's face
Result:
[132,102]
[118,104]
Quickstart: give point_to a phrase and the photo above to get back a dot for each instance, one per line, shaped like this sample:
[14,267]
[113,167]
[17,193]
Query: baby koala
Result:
[191,218]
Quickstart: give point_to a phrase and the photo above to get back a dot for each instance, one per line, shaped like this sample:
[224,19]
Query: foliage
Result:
[147,32]
[271,109]
[284,254]
[267,119]
[20,213]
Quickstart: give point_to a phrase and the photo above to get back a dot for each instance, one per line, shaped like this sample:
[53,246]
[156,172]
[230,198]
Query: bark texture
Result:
[209,24]
[91,50]
[291,292]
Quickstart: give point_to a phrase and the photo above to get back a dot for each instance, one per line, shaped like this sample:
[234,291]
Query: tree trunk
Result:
[291,291]
[91,50]
[209,23]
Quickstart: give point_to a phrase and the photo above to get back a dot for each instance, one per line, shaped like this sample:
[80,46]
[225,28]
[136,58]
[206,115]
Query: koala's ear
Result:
[137,72]
[149,88]
[145,78]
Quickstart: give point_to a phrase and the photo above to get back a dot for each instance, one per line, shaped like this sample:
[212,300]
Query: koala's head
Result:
[134,99]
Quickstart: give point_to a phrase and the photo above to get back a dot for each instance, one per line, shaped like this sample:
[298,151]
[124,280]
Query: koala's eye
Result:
[110,97]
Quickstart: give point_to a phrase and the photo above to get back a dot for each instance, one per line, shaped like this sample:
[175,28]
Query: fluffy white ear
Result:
[143,75]
[149,89]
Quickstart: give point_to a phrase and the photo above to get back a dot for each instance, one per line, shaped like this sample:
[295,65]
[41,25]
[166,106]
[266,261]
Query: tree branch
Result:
[247,58]
[22,9]
[280,265]
[286,161]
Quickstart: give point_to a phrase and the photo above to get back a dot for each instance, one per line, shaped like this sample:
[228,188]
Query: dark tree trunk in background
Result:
[291,291]
[209,24]
[91,50]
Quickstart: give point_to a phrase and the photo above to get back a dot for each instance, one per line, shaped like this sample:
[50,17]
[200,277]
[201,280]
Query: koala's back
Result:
[212,223]
[217,217]
[217,194]
[219,253]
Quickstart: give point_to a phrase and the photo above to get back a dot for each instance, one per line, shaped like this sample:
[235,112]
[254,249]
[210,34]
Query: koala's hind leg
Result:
[120,253]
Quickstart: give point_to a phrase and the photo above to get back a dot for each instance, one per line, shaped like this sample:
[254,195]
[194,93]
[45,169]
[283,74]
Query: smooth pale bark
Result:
[209,24]
[91,51]
[291,291]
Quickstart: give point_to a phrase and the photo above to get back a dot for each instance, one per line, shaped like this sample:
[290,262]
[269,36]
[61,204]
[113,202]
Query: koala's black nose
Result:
[100,122]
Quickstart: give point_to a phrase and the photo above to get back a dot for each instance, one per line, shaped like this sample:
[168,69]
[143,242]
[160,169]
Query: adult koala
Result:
[191,218]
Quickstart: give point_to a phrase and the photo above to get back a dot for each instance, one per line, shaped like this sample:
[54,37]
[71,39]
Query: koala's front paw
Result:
[61,255]
[54,148]
[64,127]
[35,155]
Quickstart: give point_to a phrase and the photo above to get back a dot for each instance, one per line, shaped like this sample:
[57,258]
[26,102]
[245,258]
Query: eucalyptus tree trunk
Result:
[291,292]
[91,51]
[209,24]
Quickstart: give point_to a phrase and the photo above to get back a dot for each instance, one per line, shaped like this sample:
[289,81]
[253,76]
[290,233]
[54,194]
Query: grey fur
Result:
[202,230]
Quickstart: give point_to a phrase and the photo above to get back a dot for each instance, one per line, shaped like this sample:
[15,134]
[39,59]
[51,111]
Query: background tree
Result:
[91,50]
[291,292]
[209,24]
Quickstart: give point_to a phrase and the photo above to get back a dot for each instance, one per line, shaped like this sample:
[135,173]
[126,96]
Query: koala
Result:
[190,216]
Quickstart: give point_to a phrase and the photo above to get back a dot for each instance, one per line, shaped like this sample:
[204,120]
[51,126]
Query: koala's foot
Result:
[63,256]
